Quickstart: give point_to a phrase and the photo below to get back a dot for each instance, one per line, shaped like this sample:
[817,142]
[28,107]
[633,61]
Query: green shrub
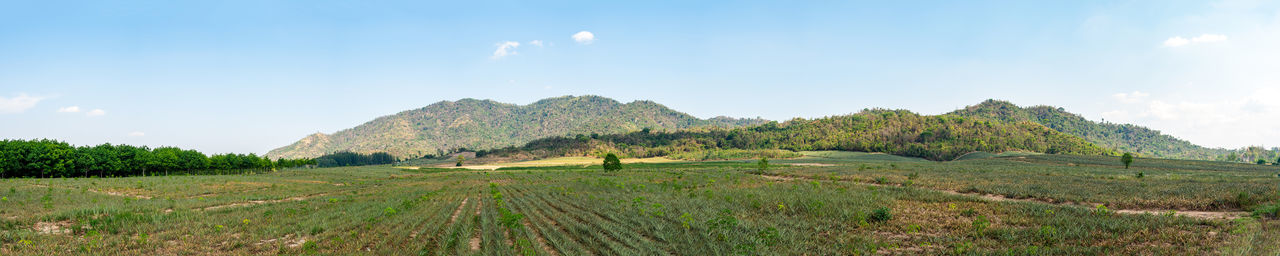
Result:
[882,214]
[611,162]
[1271,211]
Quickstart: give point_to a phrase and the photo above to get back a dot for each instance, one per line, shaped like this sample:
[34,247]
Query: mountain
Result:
[898,132]
[485,124]
[1123,137]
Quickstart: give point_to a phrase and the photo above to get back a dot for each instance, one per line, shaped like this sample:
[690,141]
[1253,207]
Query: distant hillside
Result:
[485,124]
[1122,137]
[898,132]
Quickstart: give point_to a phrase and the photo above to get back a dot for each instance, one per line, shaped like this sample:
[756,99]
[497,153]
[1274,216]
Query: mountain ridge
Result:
[1123,137]
[470,123]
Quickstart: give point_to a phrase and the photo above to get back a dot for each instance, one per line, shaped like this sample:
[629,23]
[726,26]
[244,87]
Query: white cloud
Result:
[1179,41]
[137,134]
[71,109]
[1209,38]
[537,43]
[96,112]
[1133,97]
[505,48]
[1176,41]
[1116,116]
[18,104]
[584,37]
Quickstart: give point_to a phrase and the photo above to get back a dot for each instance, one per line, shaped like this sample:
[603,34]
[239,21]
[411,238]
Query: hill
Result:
[1122,137]
[897,132]
[485,124]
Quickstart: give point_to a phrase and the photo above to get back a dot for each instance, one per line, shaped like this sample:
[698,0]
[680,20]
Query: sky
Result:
[250,76]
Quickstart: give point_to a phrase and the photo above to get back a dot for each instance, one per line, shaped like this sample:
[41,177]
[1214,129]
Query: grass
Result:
[686,208]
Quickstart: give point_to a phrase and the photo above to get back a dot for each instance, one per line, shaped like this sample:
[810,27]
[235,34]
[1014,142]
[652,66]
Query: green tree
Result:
[460,159]
[762,165]
[1127,159]
[1261,162]
[611,162]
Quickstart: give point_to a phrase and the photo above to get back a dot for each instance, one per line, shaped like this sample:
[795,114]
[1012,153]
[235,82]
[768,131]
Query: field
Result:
[826,203]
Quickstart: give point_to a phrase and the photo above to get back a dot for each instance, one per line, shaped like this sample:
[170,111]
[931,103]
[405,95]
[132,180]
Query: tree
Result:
[1261,162]
[1127,159]
[762,165]
[611,162]
[460,159]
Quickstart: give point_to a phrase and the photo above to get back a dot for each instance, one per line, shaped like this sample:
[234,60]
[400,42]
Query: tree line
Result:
[347,158]
[52,158]
[898,132]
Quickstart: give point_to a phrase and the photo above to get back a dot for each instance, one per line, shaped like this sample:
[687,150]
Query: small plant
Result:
[881,214]
[913,176]
[980,225]
[1101,210]
[762,165]
[1140,175]
[1127,159]
[968,212]
[389,211]
[1244,200]
[686,220]
[1271,211]
[769,236]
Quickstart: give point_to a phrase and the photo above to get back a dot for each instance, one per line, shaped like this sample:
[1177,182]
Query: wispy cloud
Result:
[18,104]
[1179,41]
[96,112]
[505,48]
[71,109]
[1132,97]
[537,43]
[137,134]
[584,37]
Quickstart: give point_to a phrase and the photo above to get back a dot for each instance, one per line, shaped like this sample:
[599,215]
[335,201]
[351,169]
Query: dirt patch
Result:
[53,228]
[542,242]
[475,239]
[1191,214]
[307,181]
[458,211]
[289,241]
[121,193]
[255,202]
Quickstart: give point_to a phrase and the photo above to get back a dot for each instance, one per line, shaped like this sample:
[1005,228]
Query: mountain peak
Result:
[476,124]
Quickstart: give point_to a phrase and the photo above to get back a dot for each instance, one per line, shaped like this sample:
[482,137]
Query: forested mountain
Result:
[1121,137]
[898,132]
[485,124]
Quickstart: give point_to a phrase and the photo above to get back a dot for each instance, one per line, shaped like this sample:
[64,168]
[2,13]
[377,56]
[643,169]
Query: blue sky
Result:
[249,76]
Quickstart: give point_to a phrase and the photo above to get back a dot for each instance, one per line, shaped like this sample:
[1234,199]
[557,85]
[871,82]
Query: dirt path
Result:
[110,193]
[1225,215]
[256,202]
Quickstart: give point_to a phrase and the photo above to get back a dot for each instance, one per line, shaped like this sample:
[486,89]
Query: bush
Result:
[880,215]
[611,162]
[1271,211]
